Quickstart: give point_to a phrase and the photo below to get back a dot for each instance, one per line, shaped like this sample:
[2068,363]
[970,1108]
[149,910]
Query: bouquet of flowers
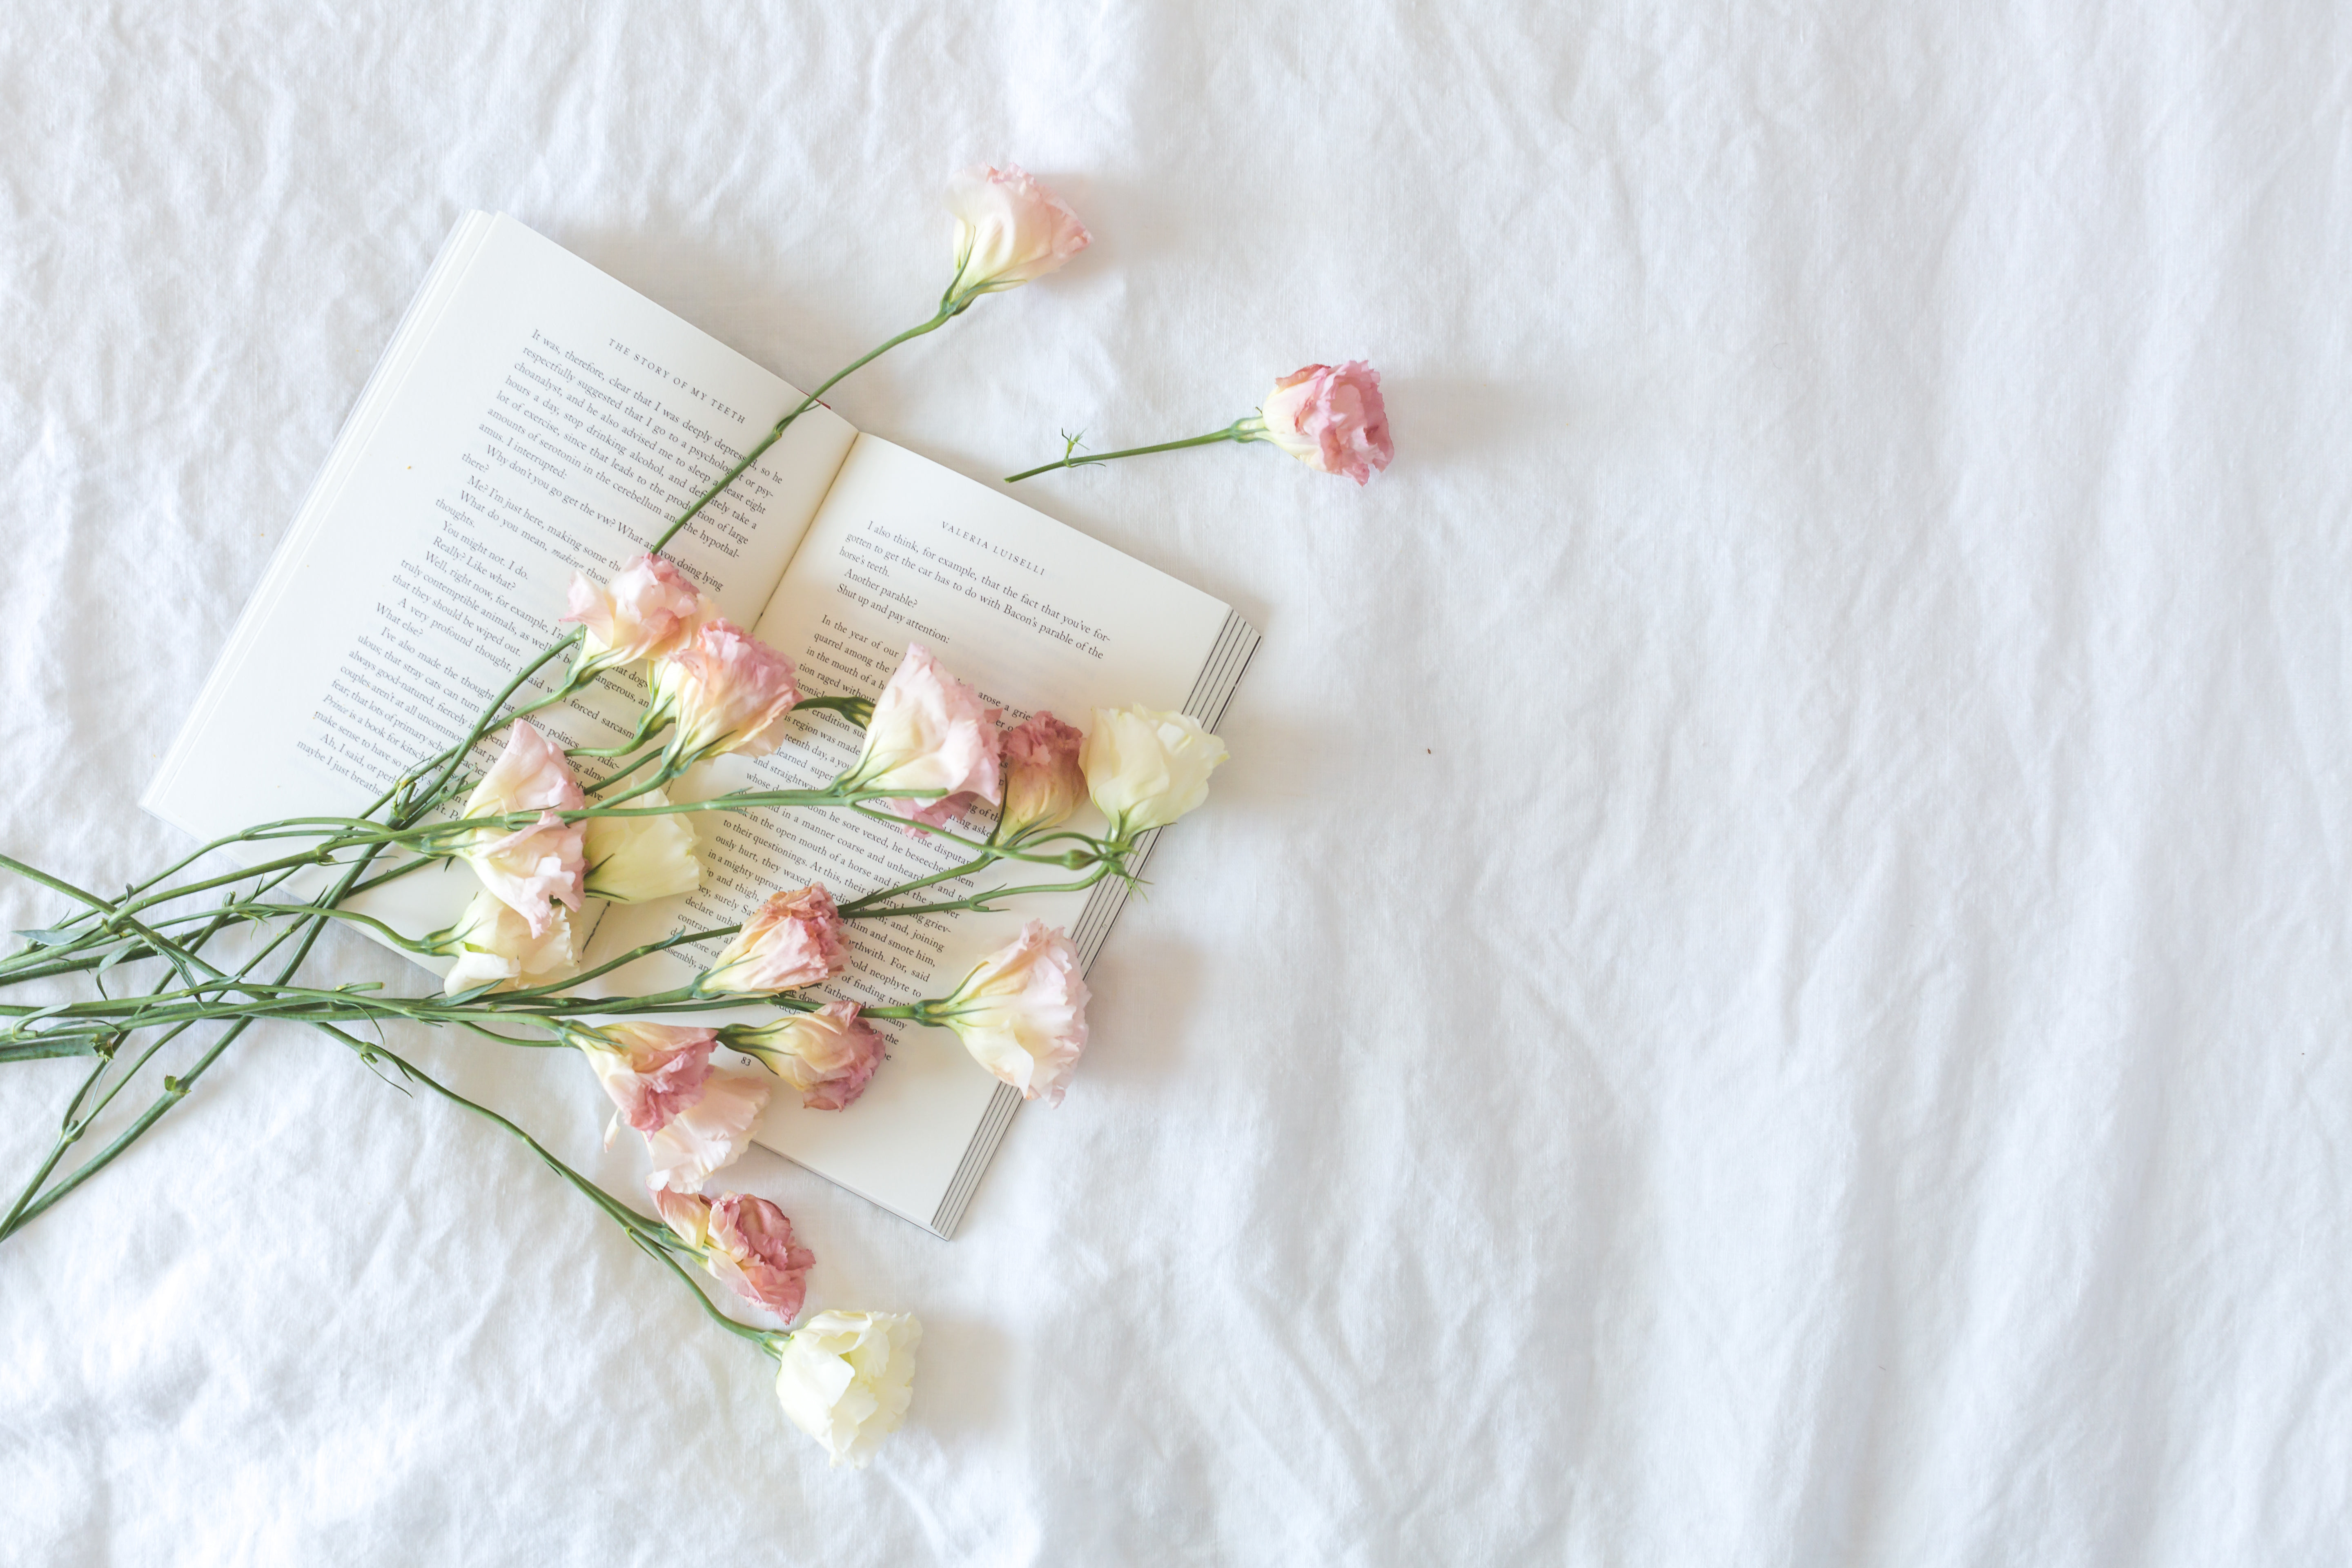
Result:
[543,830]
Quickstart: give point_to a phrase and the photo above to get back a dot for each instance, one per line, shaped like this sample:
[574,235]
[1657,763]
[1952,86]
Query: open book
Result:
[533,416]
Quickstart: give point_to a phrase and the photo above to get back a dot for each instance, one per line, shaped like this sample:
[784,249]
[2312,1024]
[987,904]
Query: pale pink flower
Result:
[708,1135]
[794,939]
[1330,418]
[828,1054]
[745,1241]
[1010,230]
[494,945]
[1044,784]
[531,866]
[727,692]
[649,610]
[651,1071]
[930,731]
[1022,1013]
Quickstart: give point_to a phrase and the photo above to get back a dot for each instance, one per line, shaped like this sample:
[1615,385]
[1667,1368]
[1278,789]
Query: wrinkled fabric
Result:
[1767,981]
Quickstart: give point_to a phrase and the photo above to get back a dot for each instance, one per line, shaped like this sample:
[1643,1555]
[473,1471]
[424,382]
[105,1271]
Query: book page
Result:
[532,416]
[1035,615]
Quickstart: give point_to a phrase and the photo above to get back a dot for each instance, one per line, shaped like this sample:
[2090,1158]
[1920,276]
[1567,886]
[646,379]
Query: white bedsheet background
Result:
[1766,983]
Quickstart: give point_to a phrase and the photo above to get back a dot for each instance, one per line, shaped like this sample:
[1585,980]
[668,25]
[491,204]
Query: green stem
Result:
[1246,429]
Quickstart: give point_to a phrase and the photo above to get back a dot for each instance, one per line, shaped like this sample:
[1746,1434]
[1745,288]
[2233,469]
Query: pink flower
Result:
[1010,230]
[1042,781]
[745,1241]
[828,1054]
[1021,1014]
[930,731]
[527,867]
[1331,419]
[650,610]
[727,692]
[794,939]
[708,1134]
[652,1071]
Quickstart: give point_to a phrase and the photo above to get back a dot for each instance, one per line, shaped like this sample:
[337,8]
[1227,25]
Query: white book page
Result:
[532,416]
[1035,615]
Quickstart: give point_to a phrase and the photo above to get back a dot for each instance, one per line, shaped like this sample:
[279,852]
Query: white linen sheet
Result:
[1766,983]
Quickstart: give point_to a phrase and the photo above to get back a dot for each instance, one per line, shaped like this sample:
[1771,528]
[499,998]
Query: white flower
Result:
[1022,1013]
[1146,769]
[633,860]
[492,942]
[845,1377]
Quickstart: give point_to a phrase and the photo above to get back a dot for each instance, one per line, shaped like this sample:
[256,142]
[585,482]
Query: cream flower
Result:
[649,610]
[1010,230]
[1022,1013]
[844,1378]
[708,1135]
[532,865]
[828,1054]
[747,1243]
[929,732]
[650,1071]
[1146,769]
[1044,784]
[633,860]
[1331,418]
[794,939]
[495,945]
[727,692]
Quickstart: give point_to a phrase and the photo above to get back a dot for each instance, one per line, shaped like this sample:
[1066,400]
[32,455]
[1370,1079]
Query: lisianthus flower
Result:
[649,610]
[1044,784]
[745,1241]
[651,1071]
[828,1054]
[528,866]
[1331,418]
[929,732]
[796,938]
[632,859]
[708,1135]
[727,691]
[493,944]
[1010,230]
[845,1379]
[1145,769]
[1022,1013]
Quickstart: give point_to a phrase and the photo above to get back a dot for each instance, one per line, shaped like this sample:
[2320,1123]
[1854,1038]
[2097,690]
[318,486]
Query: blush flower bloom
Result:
[708,1135]
[1144,768]
[1331,418]
[649,609]
[1044,784]
[727,692]
[530,867]
[828,1054]
[845,1379]
[929,732]
[796,938]
[746,1242]
[1010,230]
[1022,1013]
[651,1071]
[494,945]
[633,860]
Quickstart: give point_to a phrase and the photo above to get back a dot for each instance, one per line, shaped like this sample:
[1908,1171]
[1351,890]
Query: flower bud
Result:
[828,1054]
[492,943]
[794,939]
[1146,769]
[1022,1013]
[650,1071]
[633,860]
[528,866]
[746,1242]
[1044,784]
[929,732]
[708,1135]
[650,609]
[845,1379]
[1010,230]
[1331,419]
[727,692]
